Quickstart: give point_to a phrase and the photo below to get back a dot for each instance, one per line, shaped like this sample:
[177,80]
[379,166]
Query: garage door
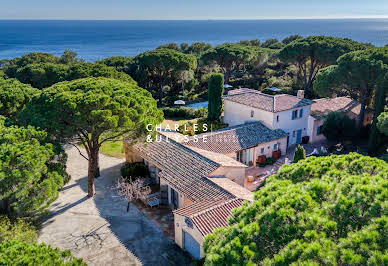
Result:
[192,246]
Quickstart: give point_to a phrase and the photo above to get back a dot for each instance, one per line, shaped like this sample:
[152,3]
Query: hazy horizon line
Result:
[198,19]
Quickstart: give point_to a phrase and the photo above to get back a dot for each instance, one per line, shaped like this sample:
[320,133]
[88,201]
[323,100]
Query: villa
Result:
[202,178]
[286,112]
[322,107]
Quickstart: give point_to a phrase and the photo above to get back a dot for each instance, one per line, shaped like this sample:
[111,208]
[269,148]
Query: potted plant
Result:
[277,154]
[305,139]
[261,158]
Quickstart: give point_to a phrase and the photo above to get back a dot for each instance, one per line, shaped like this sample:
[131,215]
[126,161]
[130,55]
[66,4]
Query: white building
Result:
[287,112]
[203,178]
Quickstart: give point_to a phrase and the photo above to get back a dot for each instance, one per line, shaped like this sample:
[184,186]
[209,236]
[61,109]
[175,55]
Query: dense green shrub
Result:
[32,170]
[22,253]
[14,95]
[134,171]
[17,229]
[382,123]
[184,112]
[299,154]
[339,127]
[320,211]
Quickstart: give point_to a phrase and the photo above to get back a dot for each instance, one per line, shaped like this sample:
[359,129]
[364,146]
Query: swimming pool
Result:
[198,105]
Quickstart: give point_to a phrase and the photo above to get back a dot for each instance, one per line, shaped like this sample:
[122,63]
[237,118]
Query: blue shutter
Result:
[293,115]
[301,113]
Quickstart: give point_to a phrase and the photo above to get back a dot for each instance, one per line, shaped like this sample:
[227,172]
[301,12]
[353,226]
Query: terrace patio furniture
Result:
[151,199]
[152,202]
[323,150]
[314,152]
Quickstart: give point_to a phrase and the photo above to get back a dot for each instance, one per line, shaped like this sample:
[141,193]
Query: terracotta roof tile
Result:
[219,158]
[324,106]
[236,138]
[210,215]
[270,103]
[241,90]
[185,169]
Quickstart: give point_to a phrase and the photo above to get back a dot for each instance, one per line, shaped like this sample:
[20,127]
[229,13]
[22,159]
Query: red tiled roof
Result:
[321,107]
[270,103]
[210,215]
[241,90]
[236,138]
[186,169]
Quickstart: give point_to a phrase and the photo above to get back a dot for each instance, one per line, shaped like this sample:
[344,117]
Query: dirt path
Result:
[99,229]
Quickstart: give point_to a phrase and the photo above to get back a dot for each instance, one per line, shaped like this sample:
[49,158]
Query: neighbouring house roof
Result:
[322,107]
[210,215]
[241,90]
[184,168]
[270,103]
[236,138]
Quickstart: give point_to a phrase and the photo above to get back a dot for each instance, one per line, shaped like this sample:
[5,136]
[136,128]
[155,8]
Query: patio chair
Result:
[152,202]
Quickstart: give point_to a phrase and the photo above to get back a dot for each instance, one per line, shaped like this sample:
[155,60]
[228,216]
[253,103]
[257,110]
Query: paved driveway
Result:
[99,229]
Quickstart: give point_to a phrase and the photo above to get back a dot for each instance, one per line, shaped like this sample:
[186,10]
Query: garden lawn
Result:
[113,149]
[116,148]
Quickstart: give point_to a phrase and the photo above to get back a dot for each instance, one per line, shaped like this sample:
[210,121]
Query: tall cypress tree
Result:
[215,92]
[381,94]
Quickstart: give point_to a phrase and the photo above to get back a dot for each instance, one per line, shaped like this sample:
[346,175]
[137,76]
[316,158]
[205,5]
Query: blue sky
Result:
[191,9]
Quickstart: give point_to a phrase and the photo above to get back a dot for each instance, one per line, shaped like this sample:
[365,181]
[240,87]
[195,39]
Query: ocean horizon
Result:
[97,39]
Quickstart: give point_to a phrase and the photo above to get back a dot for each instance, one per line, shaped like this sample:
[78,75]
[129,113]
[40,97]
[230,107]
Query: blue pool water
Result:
[198,105]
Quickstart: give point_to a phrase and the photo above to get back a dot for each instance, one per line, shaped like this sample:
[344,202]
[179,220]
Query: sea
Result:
[95,40]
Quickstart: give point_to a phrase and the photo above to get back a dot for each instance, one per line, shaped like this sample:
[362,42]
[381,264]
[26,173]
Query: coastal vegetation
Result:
[324,209]
[319,211]
[216,90]
[339,127]
[32,169]
[90,112]
[313,53]
[21,253]
[14,95]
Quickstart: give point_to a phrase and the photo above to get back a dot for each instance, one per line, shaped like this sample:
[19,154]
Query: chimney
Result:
[300,94]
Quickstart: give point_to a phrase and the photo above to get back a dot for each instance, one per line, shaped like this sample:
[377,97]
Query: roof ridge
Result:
[192,151]
[222,130]
[222,202]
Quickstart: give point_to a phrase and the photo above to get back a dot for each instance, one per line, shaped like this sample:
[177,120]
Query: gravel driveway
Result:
[99,229]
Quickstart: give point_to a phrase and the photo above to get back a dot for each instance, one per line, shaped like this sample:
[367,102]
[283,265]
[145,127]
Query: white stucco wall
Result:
[288,125]
[237,114]
[181,226]
[268,147]
[313,126]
